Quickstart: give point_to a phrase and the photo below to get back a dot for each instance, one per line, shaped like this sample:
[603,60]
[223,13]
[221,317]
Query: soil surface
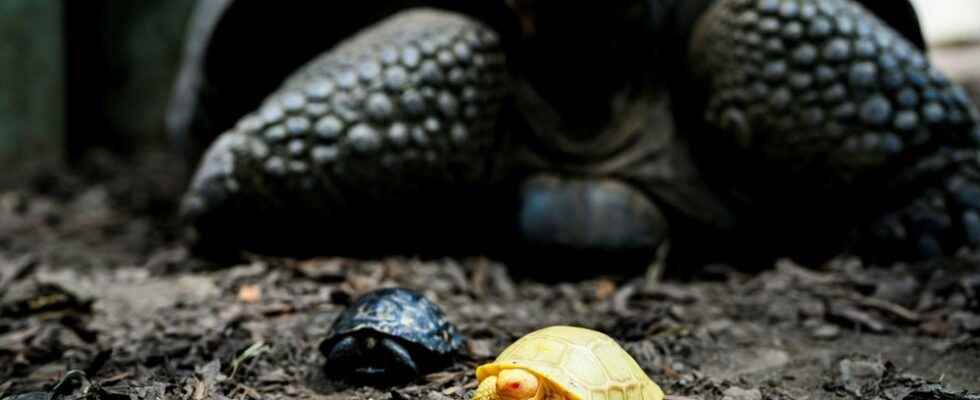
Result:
[94,278]
[96,284]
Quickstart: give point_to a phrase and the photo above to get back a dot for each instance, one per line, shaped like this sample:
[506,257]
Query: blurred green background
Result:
[77,75]
[32,82]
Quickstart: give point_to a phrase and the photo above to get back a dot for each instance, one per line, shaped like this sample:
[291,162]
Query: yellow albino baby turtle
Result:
[564,362]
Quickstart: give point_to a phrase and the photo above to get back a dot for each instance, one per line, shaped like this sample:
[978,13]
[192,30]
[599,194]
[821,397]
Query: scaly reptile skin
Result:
[814,120]
[408,107]
[827,100]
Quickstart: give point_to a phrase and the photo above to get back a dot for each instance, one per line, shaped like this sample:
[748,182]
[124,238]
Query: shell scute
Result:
[634,392]
[577,364]
[400,313]
[650,391]
[581,364]
[616,362]
[545,350]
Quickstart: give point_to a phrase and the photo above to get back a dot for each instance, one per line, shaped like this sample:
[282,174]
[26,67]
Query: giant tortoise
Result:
[728,127]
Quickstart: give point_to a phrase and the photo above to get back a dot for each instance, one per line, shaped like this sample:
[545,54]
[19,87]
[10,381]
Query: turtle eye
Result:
[517,384]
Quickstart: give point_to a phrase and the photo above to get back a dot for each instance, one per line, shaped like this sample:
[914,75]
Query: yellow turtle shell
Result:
[581,364]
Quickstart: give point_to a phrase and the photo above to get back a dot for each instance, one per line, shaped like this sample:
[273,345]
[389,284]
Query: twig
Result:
[886,306]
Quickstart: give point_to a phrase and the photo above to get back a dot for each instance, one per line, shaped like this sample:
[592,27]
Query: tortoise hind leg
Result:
[395,124]
[827,112]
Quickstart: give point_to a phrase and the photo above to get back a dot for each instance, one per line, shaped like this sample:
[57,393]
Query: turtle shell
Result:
[400,313]
[580,363]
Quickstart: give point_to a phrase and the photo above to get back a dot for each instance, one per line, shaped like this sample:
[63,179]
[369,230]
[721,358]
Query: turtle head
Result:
[510,384]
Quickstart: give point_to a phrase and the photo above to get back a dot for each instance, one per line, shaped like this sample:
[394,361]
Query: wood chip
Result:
[328,270]
[249,294]
[804,275]
[481,348]
[886,306]
[604,288]
[478,282]
[845,313]
[621,300]
[200,390]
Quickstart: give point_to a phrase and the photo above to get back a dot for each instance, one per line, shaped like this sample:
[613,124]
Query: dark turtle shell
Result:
[400,313]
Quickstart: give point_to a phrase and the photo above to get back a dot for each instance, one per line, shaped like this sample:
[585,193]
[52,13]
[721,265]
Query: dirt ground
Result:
[94,278]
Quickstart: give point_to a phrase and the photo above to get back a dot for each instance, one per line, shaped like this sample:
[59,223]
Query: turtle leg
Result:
[400,359]
[342,354]
[594,215]
[370,360]
[393,124]
[354,358]
[822,115]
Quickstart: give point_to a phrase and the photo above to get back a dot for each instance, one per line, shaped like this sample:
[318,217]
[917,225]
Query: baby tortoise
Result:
[565,363]
[389,336]
[785,127]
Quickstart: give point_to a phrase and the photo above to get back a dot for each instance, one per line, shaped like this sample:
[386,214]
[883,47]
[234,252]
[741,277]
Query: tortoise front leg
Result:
[371,360]
[827,112]
[400,360]
[343,355]
[394,125]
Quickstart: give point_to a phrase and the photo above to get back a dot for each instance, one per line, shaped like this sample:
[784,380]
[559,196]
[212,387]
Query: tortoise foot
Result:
[823,113]
[941,220]
[394,123]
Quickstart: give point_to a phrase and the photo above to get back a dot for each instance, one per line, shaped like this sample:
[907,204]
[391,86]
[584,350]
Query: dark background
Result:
[82,75]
